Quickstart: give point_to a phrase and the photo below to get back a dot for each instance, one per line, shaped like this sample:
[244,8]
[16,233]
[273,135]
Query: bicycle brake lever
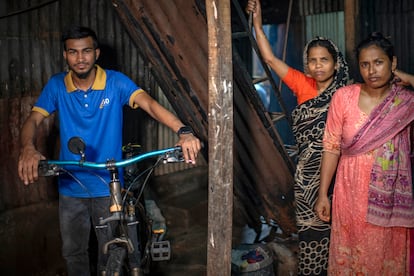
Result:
[173,157]
[46,169]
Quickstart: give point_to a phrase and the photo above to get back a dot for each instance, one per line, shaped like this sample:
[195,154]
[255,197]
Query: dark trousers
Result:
[77,217]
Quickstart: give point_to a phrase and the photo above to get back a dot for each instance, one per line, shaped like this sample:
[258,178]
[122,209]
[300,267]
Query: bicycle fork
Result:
[128,240]
[115,206]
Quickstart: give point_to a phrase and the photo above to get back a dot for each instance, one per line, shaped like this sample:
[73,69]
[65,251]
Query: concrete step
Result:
[182,182]
[182,198]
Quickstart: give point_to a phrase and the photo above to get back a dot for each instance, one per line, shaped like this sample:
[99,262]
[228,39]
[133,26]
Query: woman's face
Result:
[375,67]
[321,65]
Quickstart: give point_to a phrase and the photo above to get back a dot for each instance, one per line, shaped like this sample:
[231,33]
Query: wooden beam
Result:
[351,17]
[220,137]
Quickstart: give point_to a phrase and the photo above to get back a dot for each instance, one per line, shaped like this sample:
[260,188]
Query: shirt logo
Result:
[104,103]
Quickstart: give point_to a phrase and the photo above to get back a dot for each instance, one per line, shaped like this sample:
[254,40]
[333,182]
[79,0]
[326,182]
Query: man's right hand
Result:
[28,164]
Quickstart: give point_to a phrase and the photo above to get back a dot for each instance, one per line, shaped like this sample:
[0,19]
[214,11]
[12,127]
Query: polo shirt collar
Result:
[98,84]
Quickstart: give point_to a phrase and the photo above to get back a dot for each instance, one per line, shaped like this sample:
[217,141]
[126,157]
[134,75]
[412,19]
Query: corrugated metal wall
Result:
[167,138]
[176,43]
[30,52]
[393,18]
[330,25]
[309,7]
[30,41]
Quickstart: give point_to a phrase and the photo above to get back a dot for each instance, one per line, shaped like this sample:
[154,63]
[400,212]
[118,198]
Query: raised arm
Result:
[190,144]
[403,78]
[277,65]
[29,156]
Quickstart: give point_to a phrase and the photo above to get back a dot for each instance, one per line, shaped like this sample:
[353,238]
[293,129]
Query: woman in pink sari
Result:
[367,141]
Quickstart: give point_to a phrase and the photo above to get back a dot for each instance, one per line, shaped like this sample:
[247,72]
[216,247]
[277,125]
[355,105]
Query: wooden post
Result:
[351,17]
[220,138]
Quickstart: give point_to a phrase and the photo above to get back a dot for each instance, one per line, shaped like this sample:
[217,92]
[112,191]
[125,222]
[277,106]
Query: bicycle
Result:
[127,254]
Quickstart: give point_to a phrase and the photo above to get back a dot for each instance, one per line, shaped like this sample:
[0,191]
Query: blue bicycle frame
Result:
[56,167]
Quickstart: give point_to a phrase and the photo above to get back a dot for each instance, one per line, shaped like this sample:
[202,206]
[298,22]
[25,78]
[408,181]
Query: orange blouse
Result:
[302,86]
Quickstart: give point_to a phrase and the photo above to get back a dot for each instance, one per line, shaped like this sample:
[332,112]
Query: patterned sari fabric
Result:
[308,126]
[362,243]
[390,196]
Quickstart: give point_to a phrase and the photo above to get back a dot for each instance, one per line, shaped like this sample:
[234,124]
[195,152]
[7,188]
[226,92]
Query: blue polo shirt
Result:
[96,116]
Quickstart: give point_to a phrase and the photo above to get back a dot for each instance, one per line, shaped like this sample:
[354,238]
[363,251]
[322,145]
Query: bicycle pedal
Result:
[160,251]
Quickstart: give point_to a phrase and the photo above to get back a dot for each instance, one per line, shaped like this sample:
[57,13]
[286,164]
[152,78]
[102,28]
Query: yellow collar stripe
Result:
[98,84]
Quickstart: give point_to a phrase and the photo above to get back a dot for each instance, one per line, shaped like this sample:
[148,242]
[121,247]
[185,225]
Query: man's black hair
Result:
[76,32]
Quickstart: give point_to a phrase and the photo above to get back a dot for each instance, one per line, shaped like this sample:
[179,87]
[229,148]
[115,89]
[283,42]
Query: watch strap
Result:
[185,130]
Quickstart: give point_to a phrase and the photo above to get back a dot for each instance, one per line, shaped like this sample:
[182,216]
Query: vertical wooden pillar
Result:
[220,138]
[351,17]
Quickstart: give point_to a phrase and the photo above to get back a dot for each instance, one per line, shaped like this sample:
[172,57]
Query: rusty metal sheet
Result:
[173,36]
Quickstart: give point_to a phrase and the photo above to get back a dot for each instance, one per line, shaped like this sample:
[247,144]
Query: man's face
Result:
[80,55]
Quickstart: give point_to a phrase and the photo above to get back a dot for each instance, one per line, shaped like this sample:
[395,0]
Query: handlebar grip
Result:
[174,156]
[46,169]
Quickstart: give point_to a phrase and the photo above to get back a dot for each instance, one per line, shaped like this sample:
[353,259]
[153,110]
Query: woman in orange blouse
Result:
[325,70]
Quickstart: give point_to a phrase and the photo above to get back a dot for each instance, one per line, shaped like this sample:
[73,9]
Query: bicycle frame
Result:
[124,214]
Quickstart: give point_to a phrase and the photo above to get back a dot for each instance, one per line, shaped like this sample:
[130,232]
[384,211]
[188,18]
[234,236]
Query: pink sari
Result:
[390,199]
[357,246]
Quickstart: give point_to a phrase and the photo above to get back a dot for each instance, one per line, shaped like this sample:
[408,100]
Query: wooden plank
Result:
[350,14]
[220,118]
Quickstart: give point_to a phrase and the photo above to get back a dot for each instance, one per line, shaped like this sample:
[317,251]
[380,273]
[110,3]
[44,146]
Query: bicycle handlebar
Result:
[52,167]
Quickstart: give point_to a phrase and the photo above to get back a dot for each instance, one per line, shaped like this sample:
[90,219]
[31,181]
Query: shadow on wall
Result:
[31,241]
[107,58]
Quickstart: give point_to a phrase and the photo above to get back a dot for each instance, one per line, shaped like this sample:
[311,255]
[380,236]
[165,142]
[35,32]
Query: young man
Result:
[90,101]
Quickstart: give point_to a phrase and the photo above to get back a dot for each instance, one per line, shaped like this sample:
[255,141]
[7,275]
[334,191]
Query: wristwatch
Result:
[185,130]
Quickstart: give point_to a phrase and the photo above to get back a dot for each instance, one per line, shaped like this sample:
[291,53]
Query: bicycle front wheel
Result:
[116,260]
